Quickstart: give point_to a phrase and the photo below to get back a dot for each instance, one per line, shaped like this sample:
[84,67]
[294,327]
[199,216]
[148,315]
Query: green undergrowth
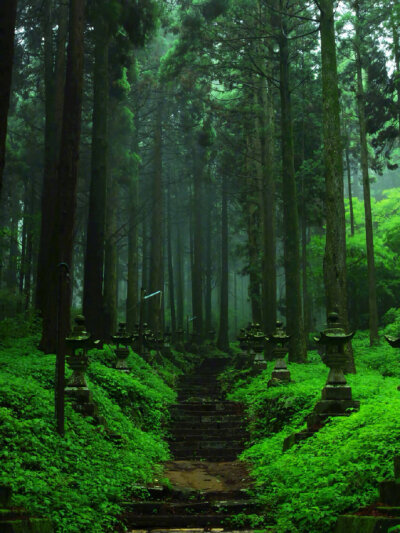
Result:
[79,481]
[338,469]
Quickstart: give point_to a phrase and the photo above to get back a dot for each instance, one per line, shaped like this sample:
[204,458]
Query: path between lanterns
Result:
[208,484]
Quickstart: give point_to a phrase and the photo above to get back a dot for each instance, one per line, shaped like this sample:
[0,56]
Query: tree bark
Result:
[110,264]
[132,300]
[335,247]
[179,279]
[223,334]
[369,233]
[208,265]
[63,232]
[54,102]
[348,169]
[8,13]
[268,214]
[197,272]
[93,303]
[171,283]
[294,315]
[252,204]
[156,251]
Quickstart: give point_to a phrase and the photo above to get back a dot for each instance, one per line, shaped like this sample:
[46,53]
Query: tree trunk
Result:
[132,300]
[349,185]
[335,247]
[208,269]
[63,232]
[156,251]
[268,214]
[252,202]
[54,102]
[8,13]
[369,233]
[294,315]
[396,54]
[110,264]
[179,279]
[197,272]
[223,334]
[93,304]
[171,284]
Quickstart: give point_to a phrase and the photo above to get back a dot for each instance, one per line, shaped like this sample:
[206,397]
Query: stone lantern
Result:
[136,338]
[78,344]
[211,336]
[336,397]
[180,340]
[394,343]
[158,345]
[147,342]
[258,345]
[279,340]
[122,341]
[242,338]
[166,348]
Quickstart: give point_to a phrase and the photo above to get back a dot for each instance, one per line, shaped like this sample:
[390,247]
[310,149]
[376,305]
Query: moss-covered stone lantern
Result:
[394,343]
[122,340]
[279,339]
[336,397]
[78,344]
[257,342]
[180,340]
[166,348]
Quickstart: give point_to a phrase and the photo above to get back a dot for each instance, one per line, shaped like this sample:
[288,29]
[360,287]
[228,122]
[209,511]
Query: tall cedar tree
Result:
[294,315]
[156,244]
[335,247]
[223,337]
[54,79]
[8,13]
[93,304]
[62,235]
[369,232]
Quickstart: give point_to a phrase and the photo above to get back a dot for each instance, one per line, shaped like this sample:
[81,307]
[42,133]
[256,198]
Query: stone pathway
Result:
[208,483]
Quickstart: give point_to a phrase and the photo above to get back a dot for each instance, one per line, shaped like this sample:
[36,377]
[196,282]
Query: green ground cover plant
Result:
[79,481]
[338,469]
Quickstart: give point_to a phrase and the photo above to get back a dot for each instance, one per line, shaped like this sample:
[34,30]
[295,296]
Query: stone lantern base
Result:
[336,401]
[121,364]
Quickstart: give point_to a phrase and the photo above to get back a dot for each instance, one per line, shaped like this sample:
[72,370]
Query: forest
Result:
[199,266]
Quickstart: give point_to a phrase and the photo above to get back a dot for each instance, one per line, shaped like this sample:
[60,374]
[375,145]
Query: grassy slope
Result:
[79,480]
[339,468]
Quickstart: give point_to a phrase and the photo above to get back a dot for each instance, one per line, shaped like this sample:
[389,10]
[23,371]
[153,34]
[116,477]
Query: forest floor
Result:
[208,476]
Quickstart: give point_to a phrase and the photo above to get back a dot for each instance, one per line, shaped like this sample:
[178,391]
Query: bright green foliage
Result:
[338,469]
[386,215]
[79,481]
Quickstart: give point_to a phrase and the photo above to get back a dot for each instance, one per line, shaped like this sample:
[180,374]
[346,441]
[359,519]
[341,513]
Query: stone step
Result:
[213,456]
[214,418]
[192,508]
[184,413]
[365,524]
[217,406]
[205,445]
[174,521]
[199,530]
[211,435]
[205,426]
[198,390]
[158,493]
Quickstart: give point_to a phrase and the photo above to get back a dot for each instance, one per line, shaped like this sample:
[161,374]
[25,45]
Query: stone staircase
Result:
[173,509]
[203,424]
[208,485]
